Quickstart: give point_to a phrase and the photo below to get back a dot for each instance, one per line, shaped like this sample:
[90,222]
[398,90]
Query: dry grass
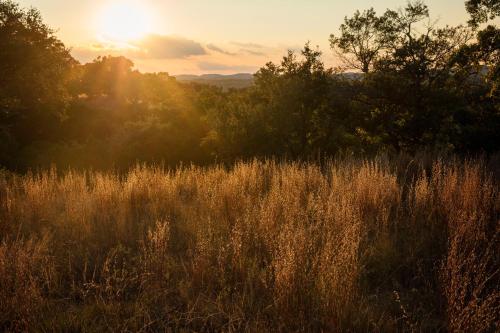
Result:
[350,245]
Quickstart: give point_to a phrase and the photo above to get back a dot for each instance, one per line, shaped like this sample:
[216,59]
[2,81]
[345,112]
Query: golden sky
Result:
[209,36]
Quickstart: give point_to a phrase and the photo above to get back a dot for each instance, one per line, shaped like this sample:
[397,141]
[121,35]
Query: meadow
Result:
[385,244]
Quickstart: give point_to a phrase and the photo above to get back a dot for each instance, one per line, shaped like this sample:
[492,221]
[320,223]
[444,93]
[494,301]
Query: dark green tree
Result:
[409,102]
[34,69]
[107,77]
[297,108]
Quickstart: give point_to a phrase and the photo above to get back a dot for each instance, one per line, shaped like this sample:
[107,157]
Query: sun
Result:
[124,22]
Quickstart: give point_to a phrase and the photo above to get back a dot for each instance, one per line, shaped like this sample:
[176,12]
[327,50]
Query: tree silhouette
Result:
[482,10]
[363,37]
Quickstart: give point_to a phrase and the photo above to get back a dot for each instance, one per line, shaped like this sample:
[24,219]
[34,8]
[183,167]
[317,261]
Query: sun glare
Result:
[124,22]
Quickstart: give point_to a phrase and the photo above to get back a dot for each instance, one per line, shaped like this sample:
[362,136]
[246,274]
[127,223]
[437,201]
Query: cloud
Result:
[215,48]
[214,66]
[252,52]
[180,55]
[152,47]
[168,47]
[248,45]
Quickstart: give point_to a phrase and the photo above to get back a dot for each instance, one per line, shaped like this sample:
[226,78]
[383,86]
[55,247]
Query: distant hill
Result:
[241,80]
[234,81]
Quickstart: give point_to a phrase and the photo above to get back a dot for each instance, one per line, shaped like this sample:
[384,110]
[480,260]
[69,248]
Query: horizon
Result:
[195,38]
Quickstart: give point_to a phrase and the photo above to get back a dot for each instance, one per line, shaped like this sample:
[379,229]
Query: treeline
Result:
[406,85]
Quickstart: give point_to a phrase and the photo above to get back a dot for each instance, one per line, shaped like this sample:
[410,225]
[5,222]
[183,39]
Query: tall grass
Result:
[349,245]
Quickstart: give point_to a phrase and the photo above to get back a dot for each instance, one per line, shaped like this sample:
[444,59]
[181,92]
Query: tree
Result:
[365,38]
[478,66]
[294,94]
[482,10]
[107,77]
[362,38]
[34,67]
[407,93]
[297,108]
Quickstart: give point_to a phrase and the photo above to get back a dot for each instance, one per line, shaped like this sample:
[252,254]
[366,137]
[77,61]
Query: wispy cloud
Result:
[252,52]
[215,48]
[248,45]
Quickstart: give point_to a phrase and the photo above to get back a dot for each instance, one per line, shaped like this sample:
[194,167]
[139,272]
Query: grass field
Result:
[381,245]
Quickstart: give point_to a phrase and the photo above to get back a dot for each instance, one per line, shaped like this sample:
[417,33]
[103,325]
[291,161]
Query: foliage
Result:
[363,39]
[287,112]
[482,10]
[34,69]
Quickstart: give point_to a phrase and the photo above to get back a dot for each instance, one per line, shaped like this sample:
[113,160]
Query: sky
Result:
[209,36]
